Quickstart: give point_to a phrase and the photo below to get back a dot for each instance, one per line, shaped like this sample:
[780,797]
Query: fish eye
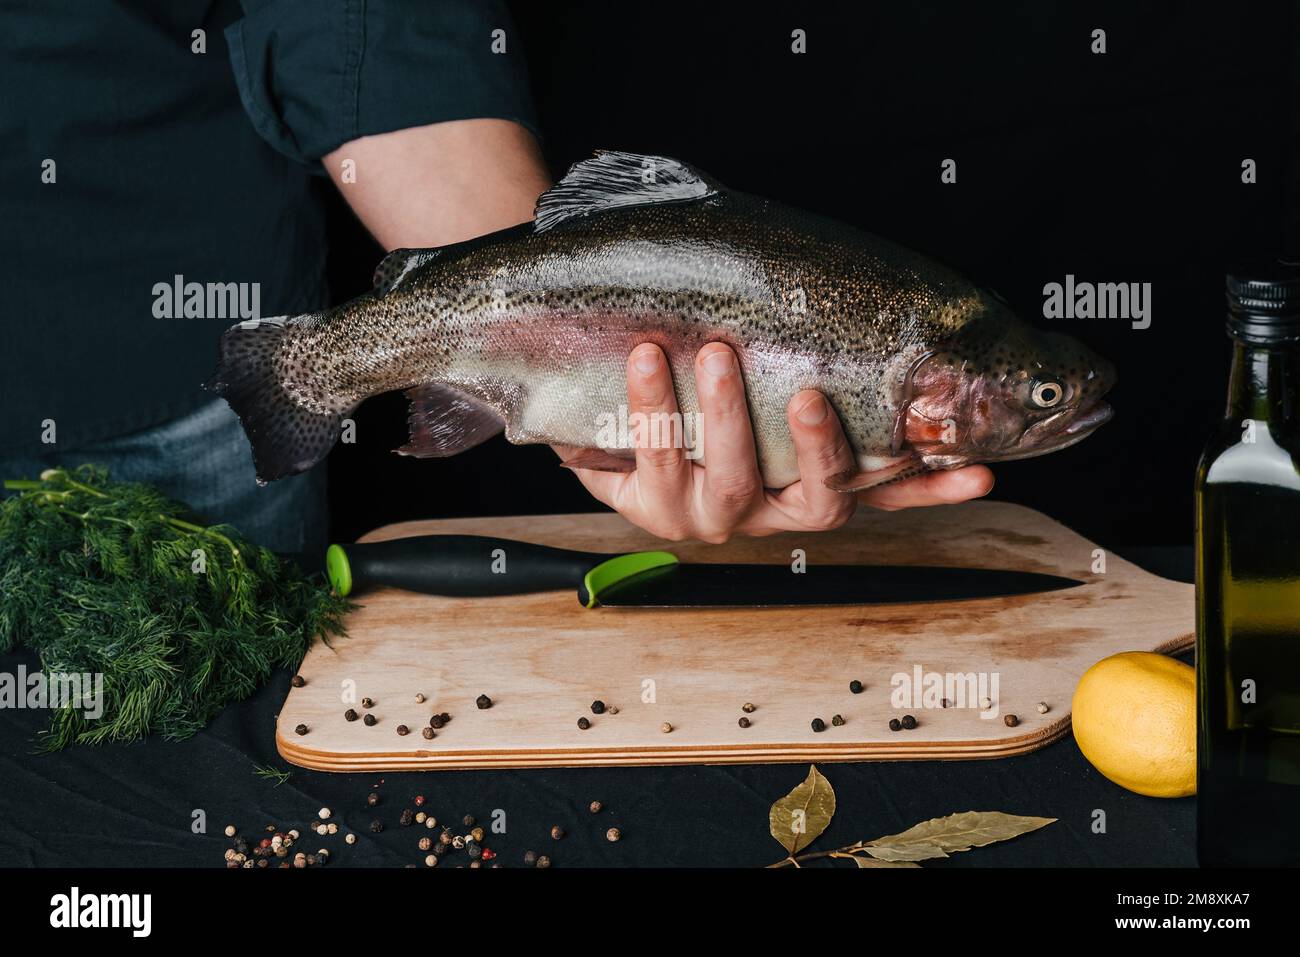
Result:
[1046,393]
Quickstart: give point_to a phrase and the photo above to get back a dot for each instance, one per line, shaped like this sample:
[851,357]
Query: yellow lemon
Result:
[1134,717]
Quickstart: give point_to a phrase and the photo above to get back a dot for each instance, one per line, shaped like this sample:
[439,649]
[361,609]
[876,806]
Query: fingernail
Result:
[719,363]
[646,360]
[813,411]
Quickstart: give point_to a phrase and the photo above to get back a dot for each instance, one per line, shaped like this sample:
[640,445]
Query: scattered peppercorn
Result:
[909,722]
[743,722]
[419,817]
[419,699]
[351,714]
[231,830]
[301,729]
[557,832]
[747,707]
[473,850]
[436,721]
[441,849]
[613,834]
[403,730]
[584,724]
[372,798]
[855,686]
[1042,707]
[376,826]
[986,703]
[474,864]
[367,702]
[598,707]
[665,727]
[370,720]
[298,681]
[838,720]
[468,820]
[488,854]
[483,702]
[427,733]
[458,842]
[818,724]
[543,861]
[476,834]
[611,710]
[425,843]
[530,858]
[1010,720]
[431,822]
[444,837]
[895,724]
[445,717]
[351,838]
[595,807]
[431,860]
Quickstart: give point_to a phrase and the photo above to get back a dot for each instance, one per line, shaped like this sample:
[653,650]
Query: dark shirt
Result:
[168,162]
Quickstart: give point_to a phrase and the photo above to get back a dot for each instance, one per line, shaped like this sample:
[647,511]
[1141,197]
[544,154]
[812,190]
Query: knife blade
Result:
[472,565]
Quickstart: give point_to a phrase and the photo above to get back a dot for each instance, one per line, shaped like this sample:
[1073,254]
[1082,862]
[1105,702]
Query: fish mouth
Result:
[1078,429]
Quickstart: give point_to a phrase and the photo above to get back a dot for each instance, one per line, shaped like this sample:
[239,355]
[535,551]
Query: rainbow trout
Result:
[528,330]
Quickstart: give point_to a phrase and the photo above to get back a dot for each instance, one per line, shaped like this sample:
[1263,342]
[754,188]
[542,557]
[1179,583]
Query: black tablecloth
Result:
[135,805]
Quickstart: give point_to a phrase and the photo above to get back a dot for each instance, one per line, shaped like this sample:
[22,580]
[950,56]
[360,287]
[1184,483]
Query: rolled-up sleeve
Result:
[314,74]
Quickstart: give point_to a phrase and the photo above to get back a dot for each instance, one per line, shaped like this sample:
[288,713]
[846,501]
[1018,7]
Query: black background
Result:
[1122,167]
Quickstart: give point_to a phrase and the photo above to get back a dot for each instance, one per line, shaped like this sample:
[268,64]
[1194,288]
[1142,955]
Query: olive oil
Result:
[1248,587]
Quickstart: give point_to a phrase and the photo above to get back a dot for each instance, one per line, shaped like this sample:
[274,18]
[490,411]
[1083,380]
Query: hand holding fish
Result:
[673,498]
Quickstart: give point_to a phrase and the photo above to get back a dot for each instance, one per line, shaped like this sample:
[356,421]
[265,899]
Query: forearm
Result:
[443,183]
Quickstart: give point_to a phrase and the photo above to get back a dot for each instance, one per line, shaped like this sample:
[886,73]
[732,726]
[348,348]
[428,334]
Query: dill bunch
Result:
[181,619]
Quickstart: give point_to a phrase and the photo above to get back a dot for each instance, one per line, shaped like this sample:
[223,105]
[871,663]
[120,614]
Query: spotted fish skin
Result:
[529,328]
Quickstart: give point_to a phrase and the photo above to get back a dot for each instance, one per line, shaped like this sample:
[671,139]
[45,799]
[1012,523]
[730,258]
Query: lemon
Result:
[1134,717]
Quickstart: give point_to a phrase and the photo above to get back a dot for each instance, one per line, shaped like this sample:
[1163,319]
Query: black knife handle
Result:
[461,565]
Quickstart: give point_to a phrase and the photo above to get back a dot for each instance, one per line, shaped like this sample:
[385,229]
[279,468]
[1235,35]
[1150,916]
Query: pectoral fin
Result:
[601,460]
[893,472]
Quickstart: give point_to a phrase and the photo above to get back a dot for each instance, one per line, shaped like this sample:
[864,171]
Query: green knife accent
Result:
[338,570]
[618,569]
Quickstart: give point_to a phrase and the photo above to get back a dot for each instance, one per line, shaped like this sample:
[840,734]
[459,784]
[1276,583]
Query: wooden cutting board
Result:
[543,659]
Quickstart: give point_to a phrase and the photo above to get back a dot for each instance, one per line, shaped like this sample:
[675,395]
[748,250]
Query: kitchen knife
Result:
[471,565]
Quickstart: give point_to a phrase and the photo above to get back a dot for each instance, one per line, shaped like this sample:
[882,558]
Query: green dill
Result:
[112,578]
[272,774]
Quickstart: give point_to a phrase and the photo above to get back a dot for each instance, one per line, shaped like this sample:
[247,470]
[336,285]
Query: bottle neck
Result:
[1265,383]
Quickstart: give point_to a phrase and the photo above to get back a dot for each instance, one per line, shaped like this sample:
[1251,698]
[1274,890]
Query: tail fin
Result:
[286,437]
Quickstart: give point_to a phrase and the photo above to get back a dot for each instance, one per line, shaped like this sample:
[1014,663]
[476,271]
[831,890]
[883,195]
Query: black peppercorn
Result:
[855,686]
[367,702]
[743,722]
[473,850]
[818,724]
[557,832]
[427,732]
[483,702]
[468,820]
[895,724]
[543,861]
[372,798]
[584,724]
[1011,721]
[435,721]
[301,729]
[445,837]
[370,720]
[376,826]
[530,858]
[351,714]
[403,730]
[909,722]
[407,817]
[445,717]
[298,681]
[838,720]
[598,707]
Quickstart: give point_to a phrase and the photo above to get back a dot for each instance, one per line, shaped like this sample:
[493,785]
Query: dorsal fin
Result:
[397,265]
[612,179]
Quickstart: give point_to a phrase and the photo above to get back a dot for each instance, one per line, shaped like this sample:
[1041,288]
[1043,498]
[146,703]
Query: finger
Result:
[662,470]
[731,479]
[932,488]
[605,487]
[823,451]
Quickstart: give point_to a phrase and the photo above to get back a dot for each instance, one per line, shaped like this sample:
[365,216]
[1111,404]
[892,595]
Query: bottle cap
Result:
[1264,301]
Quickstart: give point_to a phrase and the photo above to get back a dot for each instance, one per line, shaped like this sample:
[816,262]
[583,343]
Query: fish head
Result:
[1002,390]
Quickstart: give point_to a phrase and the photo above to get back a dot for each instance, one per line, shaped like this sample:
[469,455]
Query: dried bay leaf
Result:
[797,819]
[956,832]
[863,861]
